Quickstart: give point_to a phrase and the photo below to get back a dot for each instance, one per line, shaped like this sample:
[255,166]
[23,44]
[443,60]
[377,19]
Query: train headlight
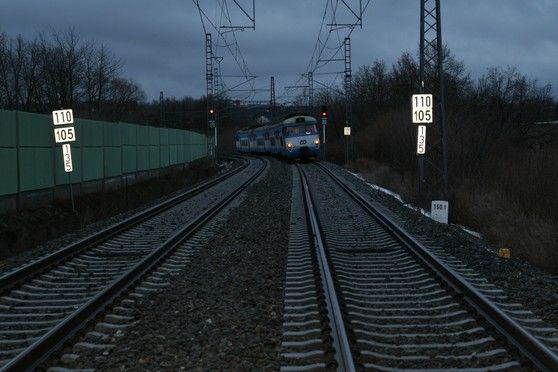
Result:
[289,146]
[316,142]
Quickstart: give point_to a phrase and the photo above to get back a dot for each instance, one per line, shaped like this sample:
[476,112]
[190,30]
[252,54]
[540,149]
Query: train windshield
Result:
[300,130]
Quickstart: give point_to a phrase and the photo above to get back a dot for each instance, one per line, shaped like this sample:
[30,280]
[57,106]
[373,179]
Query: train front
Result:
[302,139]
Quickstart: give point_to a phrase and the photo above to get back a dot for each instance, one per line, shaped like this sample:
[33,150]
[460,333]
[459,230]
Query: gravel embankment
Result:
[225,311]
[521,282]
[22,258]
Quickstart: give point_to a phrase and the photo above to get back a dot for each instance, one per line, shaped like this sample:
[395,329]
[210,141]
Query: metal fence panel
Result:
[163,136]
[8,165]
[91,132]
[129,133]
[35,168]
[129,159]
[180,154]
[143,135]
[92,163]
[112,161]
[143,158]
[112,134]
[35,130]
[154,136]
[173,154]
[154,157]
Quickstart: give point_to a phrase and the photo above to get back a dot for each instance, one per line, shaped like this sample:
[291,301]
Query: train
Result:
[295,137]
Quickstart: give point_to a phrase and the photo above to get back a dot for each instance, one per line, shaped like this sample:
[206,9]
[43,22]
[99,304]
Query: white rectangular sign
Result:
[421,139]
[66,134]
[324,121]
[61,117]
[347,131]
[67,156]
[439,211]
[422,108]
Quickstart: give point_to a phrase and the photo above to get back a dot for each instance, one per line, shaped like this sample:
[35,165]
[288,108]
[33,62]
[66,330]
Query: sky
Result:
[162,45]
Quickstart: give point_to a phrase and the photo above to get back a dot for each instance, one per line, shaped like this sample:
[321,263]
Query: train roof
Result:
[291,119]
[299,119]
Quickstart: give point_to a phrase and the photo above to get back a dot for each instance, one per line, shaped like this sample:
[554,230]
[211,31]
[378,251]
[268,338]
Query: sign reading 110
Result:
[422,108]
[61,117]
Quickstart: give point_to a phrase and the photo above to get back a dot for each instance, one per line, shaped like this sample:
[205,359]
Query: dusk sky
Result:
[161,43]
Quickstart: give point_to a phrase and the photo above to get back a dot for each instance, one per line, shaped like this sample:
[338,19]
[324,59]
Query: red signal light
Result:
[324,112]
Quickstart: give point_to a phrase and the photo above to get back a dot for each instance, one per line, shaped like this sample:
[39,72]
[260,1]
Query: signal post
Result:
[212,125]
[324,124]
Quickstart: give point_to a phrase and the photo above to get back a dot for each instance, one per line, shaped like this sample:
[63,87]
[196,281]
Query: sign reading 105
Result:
[422,108]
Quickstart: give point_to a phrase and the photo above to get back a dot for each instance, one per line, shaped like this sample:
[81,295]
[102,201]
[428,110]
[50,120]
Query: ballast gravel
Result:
[521,282]
[23,258]
[224,312]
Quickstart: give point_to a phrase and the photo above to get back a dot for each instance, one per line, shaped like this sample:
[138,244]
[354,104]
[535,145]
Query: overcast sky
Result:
[161,43]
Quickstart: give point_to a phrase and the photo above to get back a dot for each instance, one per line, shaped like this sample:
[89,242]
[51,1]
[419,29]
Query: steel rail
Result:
[51,341]
[34,268]
[530,346]
[343,354]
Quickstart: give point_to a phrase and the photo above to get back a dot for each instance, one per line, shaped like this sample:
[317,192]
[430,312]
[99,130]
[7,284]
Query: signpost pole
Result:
[64,135]
[347,134]
[324,141]
[346,150]
[421,113]
[324,124]
[71,193]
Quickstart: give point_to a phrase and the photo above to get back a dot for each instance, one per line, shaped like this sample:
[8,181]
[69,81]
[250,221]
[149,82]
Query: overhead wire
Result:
[233,46]
[323,54]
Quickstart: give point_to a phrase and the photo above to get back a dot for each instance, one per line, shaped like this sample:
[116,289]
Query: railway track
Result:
[373,297]
[46,302]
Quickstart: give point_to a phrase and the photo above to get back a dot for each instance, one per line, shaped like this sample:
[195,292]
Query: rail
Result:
[537,352]
[52,340]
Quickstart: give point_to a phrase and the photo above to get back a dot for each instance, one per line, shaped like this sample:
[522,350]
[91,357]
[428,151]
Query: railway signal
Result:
[211,113]
[324,123]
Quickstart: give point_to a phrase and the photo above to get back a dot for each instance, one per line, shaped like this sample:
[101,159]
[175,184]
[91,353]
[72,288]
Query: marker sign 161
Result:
[422,108]
[62,117]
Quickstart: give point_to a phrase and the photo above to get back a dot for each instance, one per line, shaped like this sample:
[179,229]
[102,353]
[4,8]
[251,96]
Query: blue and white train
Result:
[295,137]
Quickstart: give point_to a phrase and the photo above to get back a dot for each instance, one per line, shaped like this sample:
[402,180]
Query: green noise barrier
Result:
[31,160]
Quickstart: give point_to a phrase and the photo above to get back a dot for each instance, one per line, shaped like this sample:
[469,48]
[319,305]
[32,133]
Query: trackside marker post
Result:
[64,135]
[421,113]
[347,133]
[422,108]
[439,211]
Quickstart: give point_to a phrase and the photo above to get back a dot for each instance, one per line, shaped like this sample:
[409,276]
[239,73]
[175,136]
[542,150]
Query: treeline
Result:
[501,165]
[501,103]
[59,69]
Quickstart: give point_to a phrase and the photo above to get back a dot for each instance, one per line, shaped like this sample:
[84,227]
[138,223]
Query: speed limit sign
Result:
[422,108]
[61,117]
